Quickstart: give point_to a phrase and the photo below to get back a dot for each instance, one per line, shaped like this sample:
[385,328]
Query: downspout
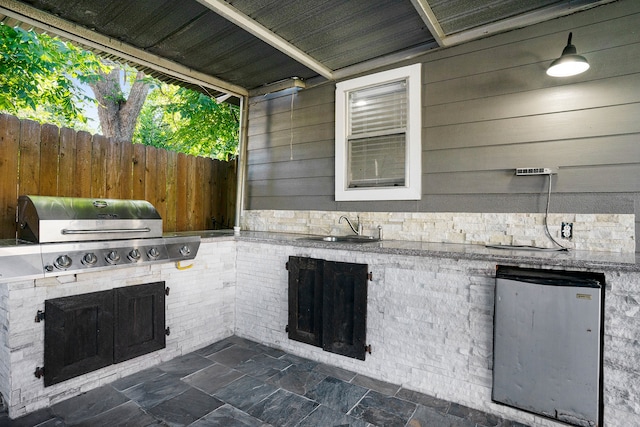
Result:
[242,161]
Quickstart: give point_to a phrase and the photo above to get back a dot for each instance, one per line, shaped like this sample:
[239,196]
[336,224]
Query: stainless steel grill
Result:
[45,219]
[78,234]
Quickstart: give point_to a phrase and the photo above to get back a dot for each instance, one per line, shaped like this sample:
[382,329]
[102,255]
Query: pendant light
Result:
[569,63]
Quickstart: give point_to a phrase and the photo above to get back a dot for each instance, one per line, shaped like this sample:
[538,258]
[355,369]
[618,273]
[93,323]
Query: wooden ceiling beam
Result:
[443,39]
[431,21]
[248,24]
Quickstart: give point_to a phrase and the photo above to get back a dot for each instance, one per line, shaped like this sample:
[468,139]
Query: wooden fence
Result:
[190,193]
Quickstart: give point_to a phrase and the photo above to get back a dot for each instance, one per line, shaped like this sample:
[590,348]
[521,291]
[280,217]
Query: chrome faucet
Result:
[358,231]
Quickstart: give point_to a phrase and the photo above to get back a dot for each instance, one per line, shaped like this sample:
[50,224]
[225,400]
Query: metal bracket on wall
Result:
[39,373]
[167,290]
[370,276]
[367,348]
[39,316]
[167,331]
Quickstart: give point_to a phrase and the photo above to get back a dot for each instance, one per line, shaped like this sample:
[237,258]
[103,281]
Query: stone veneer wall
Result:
[430,325]
[200,310]
[5,366]
[592,232]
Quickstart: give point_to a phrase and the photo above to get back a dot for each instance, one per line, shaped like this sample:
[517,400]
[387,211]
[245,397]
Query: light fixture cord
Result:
[546,215]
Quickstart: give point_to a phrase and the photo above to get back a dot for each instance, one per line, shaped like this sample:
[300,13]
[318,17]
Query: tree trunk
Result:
[118,116]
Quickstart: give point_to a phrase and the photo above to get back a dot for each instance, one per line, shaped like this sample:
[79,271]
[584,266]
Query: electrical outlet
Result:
[567,230]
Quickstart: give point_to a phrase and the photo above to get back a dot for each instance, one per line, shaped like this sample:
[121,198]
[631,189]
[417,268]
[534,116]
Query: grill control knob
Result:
[154,253]
[185,250]
[63,262]
[89,258]
[134,255]
[113,257]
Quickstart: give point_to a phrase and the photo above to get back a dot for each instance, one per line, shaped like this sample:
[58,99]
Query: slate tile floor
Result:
[238,383]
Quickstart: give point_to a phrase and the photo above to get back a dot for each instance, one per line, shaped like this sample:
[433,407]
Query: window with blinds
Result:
[377,135]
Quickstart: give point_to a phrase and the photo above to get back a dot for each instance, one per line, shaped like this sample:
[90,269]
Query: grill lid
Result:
[46,219]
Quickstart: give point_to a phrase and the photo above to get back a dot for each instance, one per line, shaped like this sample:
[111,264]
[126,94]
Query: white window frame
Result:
[413,161]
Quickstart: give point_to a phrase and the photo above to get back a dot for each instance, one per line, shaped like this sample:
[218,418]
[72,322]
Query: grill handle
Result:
[107,231]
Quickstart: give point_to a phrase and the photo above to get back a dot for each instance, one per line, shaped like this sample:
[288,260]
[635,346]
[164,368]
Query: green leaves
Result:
[36,76]
[182,120]
[39,78]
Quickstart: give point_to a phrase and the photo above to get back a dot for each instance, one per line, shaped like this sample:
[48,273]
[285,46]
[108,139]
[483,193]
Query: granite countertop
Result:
[591,260]
[567,259]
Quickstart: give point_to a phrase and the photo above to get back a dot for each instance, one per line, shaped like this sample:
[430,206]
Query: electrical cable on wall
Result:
[558,247]
[546,215]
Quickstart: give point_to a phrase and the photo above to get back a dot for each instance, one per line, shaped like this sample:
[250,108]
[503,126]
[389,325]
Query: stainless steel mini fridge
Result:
[547,343]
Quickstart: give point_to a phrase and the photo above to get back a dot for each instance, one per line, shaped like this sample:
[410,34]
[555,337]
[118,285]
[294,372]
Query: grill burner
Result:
[77,234]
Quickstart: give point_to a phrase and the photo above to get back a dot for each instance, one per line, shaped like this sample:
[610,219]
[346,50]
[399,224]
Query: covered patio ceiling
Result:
[252,47]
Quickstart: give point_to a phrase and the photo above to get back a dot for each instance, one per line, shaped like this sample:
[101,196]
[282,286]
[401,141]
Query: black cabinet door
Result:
[328,305]
[344,315]
[140,321]
[305,300]
[78,335]
[90,331]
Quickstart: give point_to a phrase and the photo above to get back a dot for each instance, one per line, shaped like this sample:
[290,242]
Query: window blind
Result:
[377,135]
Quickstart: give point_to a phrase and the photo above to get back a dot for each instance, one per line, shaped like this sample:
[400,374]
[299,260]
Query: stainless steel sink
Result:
[344,239]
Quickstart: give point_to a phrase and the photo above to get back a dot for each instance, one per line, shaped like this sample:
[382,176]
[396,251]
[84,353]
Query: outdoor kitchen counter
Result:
[571,259]
[429,315]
